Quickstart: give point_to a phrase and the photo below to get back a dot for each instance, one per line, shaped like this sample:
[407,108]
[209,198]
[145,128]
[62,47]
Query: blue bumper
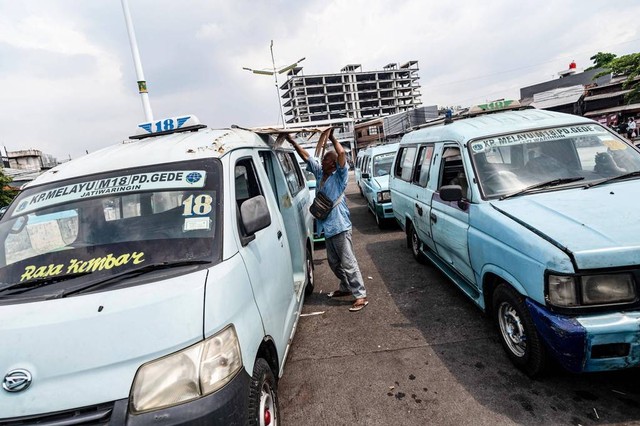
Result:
[384,210]
[598,342]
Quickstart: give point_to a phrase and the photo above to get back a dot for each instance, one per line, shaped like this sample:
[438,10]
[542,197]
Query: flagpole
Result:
[142,83]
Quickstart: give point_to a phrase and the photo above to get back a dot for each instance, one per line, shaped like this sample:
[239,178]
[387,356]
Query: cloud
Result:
[68,82]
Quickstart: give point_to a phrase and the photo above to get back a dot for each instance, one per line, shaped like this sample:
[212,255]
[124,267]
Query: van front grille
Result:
[93,415]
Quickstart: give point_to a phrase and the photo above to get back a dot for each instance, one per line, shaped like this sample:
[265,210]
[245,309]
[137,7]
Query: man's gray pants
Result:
[344,265]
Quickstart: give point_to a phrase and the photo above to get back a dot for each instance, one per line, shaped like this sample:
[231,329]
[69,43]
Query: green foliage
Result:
[627,65]
[601,60]
[6,194]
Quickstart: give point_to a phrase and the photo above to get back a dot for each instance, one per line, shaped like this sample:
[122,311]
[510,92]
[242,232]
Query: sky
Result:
[68,81]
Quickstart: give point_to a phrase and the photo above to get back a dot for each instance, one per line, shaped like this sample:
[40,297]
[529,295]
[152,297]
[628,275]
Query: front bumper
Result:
[599,342]
[384,210]
[227,406]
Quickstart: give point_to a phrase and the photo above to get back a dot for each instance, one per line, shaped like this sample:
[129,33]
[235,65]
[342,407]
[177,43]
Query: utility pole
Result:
[275,71]
[142,83]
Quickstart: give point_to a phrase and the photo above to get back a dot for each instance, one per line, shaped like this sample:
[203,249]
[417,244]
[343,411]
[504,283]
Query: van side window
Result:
[404,163]
[247,184]
[294,177]
[452,172]
[421,175]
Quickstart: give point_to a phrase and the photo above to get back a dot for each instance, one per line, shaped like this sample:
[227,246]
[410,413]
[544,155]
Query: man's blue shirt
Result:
[339,220]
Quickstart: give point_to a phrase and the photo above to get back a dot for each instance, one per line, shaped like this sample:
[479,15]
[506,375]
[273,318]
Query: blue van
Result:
[533,215]
[374,180]
[133,286]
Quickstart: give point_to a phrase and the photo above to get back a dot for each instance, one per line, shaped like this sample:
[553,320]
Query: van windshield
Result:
[584,155]
[105,224]
[382,164]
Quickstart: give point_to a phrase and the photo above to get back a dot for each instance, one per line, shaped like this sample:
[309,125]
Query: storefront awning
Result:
[623,108]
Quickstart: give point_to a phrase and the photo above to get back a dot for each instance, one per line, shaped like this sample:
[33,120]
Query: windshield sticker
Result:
[384,156]
[197,205]
[614,145]
[535,136]
[79,266]
[115,185]
[196,223]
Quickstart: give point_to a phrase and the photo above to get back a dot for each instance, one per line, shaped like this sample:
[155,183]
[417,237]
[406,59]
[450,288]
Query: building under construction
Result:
[351,93]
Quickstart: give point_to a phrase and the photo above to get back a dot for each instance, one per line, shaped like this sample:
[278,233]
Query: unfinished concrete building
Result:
[352,93]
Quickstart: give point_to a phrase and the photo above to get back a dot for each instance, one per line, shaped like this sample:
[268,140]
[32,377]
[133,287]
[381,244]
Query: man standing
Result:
[332,176]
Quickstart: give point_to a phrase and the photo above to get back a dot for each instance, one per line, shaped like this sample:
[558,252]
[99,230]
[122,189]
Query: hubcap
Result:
[512,329]
[267,406]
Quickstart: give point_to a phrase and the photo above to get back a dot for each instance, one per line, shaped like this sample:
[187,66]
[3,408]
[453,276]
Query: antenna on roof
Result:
[142,83]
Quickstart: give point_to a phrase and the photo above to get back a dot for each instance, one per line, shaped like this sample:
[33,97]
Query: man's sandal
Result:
[338,293]
[358,305]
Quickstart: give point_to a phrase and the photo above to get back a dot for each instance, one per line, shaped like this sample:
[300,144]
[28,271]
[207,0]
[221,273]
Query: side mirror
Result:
[365,176]
[451,193]
[254,214]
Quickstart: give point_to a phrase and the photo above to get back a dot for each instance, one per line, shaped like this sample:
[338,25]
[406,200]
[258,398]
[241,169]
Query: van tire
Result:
[518,334]
[309,282]
[263,395]
[414,243]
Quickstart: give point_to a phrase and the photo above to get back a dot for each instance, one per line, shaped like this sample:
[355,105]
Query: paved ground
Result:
[421,353]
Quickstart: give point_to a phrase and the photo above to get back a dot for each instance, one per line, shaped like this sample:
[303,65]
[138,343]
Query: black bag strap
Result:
[339,198]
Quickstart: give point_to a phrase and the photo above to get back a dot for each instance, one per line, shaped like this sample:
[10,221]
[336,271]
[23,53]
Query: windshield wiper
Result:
[546,184]
[38,282]
[613,178]
[130,273]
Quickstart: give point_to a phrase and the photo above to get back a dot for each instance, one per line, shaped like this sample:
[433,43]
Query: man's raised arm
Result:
[300,150]
[342,155]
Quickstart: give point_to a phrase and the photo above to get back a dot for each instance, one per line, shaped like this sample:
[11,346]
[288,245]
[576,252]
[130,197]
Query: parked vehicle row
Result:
[133,286]
[373,166]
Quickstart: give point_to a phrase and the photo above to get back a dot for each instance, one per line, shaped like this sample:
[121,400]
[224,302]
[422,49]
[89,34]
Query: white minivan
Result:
[157,281]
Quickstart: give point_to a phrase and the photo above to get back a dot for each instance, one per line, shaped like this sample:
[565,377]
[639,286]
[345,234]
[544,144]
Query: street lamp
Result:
[274,72]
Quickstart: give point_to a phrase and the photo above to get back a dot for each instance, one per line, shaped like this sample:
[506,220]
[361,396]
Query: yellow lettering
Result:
[73,266]
[137,257]
[110,261]
[55,269]
[98,264]
[28,273]
[122,259]
[83,266]
[41,272]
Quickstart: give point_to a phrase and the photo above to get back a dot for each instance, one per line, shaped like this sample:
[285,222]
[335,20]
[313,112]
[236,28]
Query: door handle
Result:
[433,217]
[419,209]
[279,235]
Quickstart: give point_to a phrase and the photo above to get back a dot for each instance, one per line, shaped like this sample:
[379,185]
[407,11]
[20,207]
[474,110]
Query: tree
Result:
[6,192]
[627,65]
[601,60]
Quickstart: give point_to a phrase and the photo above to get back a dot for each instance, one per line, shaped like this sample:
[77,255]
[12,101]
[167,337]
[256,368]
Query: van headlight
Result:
[384,196]
[188,374]
[588,290]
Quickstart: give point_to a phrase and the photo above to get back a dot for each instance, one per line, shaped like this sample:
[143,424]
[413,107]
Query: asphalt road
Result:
[422,353]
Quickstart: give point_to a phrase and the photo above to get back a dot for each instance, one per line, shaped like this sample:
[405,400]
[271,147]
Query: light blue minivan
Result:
[133,286]
[534,215]
[374,180]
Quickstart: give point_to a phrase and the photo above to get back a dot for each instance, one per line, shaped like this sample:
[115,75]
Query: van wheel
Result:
[309,282]
[518,334]
[263,397]
[413,241]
